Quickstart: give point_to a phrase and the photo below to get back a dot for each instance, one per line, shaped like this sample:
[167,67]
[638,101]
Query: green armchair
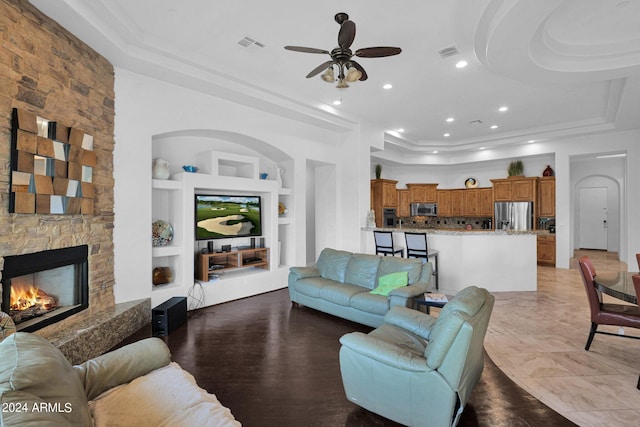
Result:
[416,369]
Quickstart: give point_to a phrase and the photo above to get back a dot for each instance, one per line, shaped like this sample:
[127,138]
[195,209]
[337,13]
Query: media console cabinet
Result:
[219,262]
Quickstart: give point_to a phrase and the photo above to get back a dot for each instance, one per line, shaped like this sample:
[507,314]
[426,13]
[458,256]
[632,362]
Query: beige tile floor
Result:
[538,339]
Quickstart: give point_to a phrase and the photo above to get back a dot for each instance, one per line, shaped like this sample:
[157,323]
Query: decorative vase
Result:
[548,171]
[160,169]
[162,275]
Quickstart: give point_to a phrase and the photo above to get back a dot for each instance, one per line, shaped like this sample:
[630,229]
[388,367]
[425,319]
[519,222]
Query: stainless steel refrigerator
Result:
[514,215]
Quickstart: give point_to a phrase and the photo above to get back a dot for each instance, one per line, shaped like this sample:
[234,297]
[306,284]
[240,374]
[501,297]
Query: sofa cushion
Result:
[362,270]
[35,371]
[390,282]
[332,264]
[365,301]
[390,264]
[340,293]
[311,286]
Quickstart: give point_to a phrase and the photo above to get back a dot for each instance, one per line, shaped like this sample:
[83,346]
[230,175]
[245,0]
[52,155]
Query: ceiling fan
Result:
[341,57]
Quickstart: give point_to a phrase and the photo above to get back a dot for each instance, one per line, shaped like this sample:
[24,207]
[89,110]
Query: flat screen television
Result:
[224,217]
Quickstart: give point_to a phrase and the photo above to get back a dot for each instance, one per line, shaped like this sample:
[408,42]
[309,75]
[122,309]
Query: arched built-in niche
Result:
[191,145]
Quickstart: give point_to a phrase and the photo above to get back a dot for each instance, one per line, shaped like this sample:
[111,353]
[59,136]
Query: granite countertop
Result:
[451,231]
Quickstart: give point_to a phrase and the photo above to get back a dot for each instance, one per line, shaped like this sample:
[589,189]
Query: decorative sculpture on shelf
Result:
[279,173]
[160,169]
[371,219]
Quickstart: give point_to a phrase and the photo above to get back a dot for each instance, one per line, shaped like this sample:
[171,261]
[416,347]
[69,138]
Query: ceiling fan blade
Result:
[359,68]
[306,49]
[377,52]
[319,68]
[347,34]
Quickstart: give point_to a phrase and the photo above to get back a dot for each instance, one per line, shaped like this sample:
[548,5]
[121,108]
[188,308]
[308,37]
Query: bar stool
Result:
[384,244]
[417,248]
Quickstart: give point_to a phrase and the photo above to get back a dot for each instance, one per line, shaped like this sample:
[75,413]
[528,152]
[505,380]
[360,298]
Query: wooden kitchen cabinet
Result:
[547,250]
[457,202]
[471,205]
[486,202]
[404,204]
[423,193]
[501,190]
[444,203]
[524,189]
[518,189]
[547,197]
[383,195]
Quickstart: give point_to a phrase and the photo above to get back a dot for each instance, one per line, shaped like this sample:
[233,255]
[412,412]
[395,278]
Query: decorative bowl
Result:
[190,168]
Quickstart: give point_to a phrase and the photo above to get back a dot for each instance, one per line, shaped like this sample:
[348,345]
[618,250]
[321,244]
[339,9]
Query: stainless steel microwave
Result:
[424,209]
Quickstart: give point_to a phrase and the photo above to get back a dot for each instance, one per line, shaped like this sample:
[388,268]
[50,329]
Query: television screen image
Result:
[220,217]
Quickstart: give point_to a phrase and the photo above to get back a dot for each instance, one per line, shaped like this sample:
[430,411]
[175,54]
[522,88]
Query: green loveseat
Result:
[416,369]
[136,385]
[340,284]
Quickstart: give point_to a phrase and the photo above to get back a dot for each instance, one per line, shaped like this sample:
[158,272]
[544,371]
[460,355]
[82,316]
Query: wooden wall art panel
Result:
[51,167]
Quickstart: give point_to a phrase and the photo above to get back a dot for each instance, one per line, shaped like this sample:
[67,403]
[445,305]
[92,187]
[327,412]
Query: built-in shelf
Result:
[166,184]
[166,251]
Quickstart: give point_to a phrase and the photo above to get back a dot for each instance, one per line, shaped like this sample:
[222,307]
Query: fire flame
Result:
[23,298]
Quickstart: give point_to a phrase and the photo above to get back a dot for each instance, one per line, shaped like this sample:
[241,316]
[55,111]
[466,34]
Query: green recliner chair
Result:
[416,369]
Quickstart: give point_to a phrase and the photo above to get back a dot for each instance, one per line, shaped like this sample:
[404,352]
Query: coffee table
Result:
[428,303]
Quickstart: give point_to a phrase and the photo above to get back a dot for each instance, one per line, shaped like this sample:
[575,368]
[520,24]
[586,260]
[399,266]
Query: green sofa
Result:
[136,385]
[416,369]
[340,284]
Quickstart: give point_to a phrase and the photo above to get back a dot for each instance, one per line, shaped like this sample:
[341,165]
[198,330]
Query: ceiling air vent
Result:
[448,52]
[248,41]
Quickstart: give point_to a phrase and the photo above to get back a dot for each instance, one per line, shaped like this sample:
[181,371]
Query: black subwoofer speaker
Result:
[168,316]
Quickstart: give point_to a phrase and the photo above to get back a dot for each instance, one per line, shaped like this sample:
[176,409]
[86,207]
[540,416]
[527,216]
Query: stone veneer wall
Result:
[46,70]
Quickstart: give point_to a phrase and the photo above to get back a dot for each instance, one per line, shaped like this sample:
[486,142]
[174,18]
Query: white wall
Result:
[453,176]
[146,107]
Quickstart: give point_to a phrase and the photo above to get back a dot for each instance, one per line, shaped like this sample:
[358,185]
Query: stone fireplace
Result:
[41,288]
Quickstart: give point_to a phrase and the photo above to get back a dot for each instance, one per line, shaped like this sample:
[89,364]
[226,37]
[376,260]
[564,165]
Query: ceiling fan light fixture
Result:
[353,74]
[342,84]
[328,75]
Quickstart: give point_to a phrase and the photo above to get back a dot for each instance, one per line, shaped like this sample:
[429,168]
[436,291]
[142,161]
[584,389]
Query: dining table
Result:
[618,284]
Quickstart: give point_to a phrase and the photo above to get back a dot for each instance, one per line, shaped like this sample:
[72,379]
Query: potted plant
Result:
[378,171]
[516,168]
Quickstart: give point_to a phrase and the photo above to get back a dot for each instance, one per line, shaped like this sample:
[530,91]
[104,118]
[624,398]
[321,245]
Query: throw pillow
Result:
[391,281]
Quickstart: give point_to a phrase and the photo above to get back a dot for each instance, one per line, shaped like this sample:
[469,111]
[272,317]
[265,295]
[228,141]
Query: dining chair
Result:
[636,284]
[417,247]
[384,244]
[605,313]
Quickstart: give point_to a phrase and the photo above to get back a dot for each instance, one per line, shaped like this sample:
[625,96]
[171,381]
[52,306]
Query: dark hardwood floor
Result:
[275,365]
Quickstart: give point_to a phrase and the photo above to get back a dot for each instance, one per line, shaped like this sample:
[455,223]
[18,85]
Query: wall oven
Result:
[389,218]
[424,209]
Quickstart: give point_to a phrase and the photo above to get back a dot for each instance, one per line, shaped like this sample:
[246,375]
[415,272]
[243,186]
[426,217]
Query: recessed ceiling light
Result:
[461,64]
[435,152]
[387,86]
[450,119]
[446,134]
[337,102]
[482,148]
[401,130]
[531,141]
[494,126]
[503,109]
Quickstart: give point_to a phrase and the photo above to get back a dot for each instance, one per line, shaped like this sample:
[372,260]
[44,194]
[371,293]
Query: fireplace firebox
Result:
[41,288]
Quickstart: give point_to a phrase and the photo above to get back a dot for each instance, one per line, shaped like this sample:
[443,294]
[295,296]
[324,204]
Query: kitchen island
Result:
[496,260]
